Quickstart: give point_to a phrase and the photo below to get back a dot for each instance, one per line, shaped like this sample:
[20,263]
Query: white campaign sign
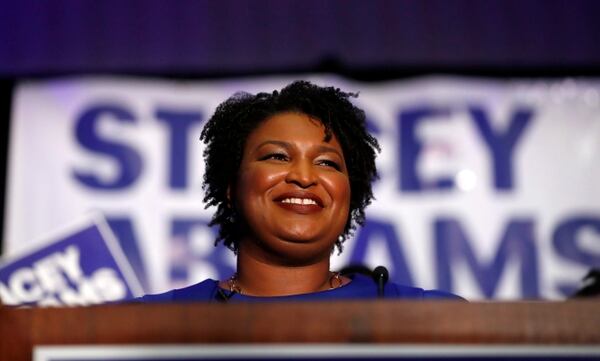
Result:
[488,188]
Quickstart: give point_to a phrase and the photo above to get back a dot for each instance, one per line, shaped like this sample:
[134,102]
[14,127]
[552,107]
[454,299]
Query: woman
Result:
[290,174]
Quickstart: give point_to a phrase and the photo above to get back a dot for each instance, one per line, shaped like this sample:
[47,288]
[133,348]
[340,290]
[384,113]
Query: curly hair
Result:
[226,132]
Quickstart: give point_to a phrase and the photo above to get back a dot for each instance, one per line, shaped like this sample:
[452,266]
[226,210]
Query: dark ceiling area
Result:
[365,39]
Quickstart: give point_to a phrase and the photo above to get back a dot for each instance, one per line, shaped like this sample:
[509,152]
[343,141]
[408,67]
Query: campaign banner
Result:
[77,266]
[488,188]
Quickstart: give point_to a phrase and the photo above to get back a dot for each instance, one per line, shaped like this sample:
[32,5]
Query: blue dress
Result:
[360,288]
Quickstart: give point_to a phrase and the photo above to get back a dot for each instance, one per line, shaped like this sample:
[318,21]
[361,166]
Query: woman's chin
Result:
[297,243]
[303,253]
[304,236]
[305,232]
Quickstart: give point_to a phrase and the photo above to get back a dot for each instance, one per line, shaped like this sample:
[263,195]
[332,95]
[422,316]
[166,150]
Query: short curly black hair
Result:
[226,132]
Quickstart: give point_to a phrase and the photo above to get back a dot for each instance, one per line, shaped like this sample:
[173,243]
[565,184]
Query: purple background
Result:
[222,37]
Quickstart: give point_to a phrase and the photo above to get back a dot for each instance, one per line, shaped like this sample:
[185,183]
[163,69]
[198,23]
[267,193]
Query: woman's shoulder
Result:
[409,292]
[202,291]
[360,287]
[366,286]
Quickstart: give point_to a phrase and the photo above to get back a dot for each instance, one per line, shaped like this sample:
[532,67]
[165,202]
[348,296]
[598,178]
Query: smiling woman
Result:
[290,174]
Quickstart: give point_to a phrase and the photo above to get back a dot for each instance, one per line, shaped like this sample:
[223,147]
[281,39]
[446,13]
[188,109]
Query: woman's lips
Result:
[300,202]
[300,208]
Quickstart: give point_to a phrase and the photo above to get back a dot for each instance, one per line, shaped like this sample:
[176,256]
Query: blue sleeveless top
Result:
[360,288]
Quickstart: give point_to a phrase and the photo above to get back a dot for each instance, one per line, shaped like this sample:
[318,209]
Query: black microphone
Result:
[380,275]
[590,285]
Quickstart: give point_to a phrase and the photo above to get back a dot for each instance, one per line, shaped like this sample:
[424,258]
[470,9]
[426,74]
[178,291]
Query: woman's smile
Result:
[300,202]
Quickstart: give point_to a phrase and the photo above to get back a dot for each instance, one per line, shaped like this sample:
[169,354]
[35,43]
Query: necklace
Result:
[335,281]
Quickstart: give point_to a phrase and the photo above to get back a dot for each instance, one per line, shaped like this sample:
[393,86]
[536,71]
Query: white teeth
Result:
[299,201]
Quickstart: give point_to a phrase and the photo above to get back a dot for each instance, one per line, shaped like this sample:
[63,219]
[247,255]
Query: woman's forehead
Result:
[291,127]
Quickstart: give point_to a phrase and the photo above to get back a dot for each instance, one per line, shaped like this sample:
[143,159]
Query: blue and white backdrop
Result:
[488,188]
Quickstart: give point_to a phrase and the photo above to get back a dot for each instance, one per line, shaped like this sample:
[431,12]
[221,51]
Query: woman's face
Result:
[292,190]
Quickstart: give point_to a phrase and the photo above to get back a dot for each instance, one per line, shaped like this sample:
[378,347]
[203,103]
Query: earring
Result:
[340,238]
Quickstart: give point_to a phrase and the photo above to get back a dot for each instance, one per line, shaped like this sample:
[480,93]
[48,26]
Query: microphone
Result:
[590,285]
[380,275]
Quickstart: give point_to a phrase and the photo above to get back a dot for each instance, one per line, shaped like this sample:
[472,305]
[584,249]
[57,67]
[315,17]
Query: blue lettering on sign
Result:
[565,241]
[378,230]
[178,122]
[502,144]
[128,159]
[181,231]
[517,242]
[410,147]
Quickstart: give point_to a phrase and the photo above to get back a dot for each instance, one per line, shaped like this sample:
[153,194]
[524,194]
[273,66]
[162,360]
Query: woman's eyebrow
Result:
[275,142]
[326,149]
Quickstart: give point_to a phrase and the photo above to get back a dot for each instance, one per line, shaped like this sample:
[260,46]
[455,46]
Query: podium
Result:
[569,323]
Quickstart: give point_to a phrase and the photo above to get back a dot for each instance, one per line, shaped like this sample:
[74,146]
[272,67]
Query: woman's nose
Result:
[301,172]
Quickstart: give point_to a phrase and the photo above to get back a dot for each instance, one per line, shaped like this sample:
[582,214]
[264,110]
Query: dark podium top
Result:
[371,322]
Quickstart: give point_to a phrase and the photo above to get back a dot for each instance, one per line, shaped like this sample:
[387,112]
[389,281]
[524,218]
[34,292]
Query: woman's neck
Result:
[258,276]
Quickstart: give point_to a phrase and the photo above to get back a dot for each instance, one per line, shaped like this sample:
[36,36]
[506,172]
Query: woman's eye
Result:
[275,156]
[329,163]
